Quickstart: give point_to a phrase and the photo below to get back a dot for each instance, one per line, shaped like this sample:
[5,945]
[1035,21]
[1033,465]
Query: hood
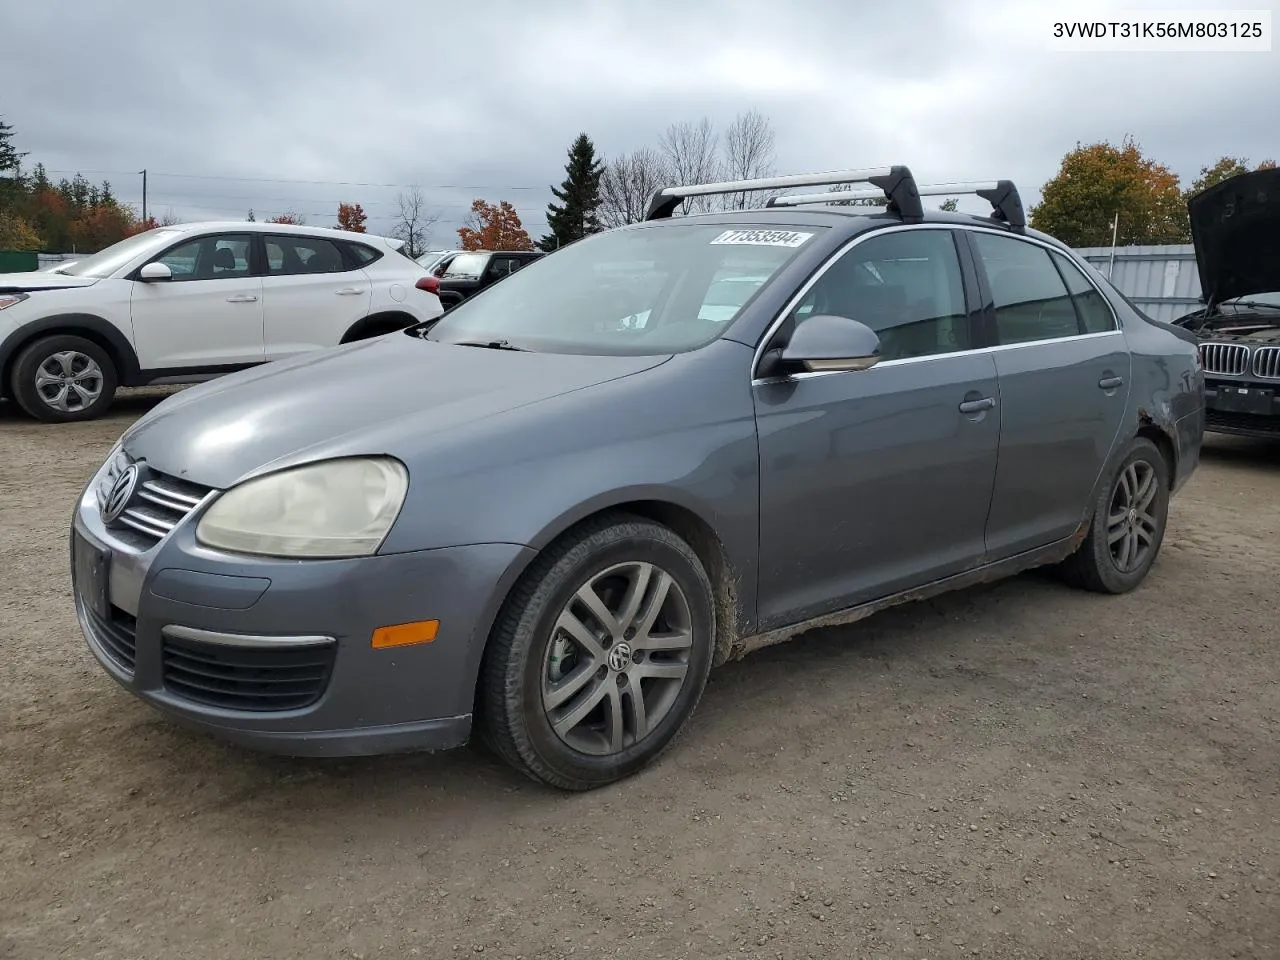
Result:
[384,395]
[24,282]
[1235,227]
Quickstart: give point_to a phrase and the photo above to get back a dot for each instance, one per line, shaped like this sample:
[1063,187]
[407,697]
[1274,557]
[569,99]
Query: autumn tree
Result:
[949,205]
[1100,180]
[17,234]
[628,183]
[577,213]
[493,227]
[351,216]
[1224,169]
[288,216]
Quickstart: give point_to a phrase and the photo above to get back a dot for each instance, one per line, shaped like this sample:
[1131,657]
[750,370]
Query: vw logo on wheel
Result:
[120,494]
[620,657]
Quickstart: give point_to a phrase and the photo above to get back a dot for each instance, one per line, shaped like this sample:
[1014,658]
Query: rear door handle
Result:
[977,406]
[1110,383]
[347,291]
[242,298]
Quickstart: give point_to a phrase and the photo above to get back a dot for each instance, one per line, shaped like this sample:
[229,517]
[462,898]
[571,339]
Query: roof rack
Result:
[1006,204]
[896,182]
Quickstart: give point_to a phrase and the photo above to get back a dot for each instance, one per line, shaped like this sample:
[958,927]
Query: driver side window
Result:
[905,286]
[220,257]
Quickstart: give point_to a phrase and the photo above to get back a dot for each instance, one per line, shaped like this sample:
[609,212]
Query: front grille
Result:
[1227,359]
[1253,422]
[116,637]
[246,678]
[159,503]
[1266,363]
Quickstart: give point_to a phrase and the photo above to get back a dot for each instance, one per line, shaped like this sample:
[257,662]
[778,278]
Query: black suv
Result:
[1236,229]
[469,273]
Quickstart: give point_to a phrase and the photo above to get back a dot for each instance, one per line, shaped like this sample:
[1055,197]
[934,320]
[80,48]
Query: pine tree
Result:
[10,158]
[577,213]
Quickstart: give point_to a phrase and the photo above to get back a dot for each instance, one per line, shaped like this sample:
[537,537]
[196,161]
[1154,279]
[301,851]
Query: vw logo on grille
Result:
[120,494]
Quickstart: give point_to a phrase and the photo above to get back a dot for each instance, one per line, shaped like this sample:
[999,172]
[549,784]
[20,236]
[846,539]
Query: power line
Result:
[335,183]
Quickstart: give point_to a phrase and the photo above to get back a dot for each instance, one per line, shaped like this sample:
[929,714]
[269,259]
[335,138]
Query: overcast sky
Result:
[218,100]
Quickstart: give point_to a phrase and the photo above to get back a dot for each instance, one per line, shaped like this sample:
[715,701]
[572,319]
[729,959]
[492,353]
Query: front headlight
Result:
[335,508]
[7,300]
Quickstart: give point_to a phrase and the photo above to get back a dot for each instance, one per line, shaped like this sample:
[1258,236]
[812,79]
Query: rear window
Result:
[467,265]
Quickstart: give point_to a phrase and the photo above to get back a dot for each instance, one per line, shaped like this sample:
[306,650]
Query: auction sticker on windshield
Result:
[764,238]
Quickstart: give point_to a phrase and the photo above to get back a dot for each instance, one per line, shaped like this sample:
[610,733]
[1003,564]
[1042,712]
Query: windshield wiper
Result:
[1250,303]
[491,345]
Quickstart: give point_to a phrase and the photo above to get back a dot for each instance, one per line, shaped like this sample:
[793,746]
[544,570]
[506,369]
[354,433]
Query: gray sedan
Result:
[550,513]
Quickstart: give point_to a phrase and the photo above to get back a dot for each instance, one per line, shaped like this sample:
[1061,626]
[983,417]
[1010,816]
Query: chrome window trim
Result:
[792,303]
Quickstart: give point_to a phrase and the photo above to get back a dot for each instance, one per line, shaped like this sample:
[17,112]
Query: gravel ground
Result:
[1015,771]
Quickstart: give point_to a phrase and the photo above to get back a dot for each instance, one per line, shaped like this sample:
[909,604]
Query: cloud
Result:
[483,100]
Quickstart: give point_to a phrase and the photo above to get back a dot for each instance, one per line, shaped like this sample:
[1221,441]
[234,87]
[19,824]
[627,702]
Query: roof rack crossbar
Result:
[1006,204]
[896,182]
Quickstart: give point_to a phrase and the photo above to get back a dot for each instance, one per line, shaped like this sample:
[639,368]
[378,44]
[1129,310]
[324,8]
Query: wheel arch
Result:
[683,520]
[93,328]
[385,321]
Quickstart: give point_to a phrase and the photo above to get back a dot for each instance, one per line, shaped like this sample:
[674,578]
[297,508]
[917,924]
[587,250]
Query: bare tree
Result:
[413,222]
[629,181]
[748,154]
[690,151]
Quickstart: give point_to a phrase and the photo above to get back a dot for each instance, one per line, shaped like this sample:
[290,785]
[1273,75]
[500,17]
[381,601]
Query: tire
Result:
[85,395]
[563,711]
[1137,517]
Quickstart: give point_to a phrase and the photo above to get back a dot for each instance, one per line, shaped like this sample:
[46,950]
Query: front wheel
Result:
[1128,524]
[63,378]
[600,655]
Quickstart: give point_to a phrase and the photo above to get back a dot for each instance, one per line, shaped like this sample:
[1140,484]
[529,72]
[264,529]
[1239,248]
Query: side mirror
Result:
[830,343]
[155,271]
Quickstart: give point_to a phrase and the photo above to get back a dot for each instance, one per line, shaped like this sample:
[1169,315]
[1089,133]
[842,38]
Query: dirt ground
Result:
[1015,771]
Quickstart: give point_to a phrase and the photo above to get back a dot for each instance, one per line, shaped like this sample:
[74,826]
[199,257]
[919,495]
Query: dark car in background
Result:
[468,273]
[1235,226]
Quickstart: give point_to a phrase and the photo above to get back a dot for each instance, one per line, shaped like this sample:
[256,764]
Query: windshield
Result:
[108,261]
[467,265]
[643,290]
[431,258]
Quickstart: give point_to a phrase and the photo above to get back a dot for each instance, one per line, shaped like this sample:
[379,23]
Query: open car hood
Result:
[1235,227]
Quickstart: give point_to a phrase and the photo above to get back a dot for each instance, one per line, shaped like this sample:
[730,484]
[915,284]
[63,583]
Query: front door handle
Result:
[1110,383]
[977,406]
[242,298]
[347,291]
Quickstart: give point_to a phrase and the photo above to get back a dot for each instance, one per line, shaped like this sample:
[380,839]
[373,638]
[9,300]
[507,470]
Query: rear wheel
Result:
[600,656]
[1128,524]
[64,378]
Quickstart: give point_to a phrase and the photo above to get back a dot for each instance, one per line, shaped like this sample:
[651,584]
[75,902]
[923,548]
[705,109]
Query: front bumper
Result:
[276,655]
[1243,408]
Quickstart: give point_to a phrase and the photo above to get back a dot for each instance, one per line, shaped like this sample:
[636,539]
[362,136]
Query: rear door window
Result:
[1094,312]
[291,256]
[1030,299]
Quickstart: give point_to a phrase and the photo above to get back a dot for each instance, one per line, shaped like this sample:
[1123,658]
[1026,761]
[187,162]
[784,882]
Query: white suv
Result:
[186,303]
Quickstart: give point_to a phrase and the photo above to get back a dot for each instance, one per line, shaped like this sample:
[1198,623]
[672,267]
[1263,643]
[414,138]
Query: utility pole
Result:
[144,195]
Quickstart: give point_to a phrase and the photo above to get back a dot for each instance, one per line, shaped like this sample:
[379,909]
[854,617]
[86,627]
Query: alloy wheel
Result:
[1131,525]
[618,657]
[68,381]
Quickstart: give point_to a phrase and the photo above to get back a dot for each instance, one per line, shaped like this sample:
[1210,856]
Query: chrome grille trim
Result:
[157,507]
[1224,359]
[1266,363]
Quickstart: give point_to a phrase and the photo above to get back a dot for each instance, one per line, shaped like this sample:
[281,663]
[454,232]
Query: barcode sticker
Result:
[764,238]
